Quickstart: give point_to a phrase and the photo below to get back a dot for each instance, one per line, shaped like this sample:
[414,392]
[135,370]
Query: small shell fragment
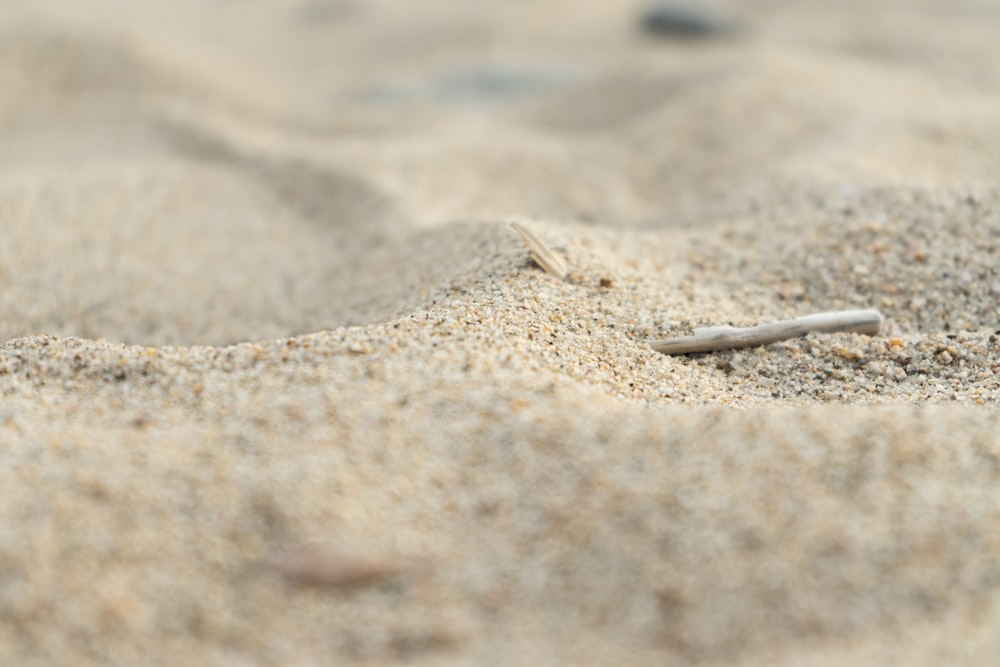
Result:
[541,253]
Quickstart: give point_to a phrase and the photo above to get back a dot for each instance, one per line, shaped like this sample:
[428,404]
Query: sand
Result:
[281,387]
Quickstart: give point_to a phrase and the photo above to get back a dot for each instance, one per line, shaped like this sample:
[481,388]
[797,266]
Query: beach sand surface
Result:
[280,386]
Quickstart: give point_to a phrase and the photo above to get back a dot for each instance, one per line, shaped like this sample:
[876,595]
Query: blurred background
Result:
[187,172]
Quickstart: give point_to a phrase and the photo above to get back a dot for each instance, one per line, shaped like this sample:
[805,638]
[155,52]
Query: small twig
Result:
[541,253]
[709,339]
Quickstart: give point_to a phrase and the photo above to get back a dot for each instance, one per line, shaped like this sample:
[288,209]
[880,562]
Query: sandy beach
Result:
[280,385]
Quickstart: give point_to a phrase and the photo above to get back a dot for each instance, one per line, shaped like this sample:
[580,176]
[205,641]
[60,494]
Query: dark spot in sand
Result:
[677,21]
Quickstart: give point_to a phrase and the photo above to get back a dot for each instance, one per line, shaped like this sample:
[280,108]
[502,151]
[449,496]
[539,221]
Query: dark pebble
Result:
[674,21]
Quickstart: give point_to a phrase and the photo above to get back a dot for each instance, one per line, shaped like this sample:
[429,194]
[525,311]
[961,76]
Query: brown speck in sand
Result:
[339,564]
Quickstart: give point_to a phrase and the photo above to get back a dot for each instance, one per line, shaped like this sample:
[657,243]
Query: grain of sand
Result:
[280,387]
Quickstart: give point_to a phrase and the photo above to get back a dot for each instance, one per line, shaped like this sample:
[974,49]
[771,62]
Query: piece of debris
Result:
[336,564]
[541,253]
[709,339]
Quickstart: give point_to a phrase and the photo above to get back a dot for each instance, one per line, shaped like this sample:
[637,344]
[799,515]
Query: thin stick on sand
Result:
[541,253]
[710,339]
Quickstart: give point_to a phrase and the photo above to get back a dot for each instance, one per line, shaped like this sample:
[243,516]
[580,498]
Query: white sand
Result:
[280,388]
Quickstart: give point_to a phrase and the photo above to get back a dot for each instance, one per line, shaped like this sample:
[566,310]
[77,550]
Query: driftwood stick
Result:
[709,339]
